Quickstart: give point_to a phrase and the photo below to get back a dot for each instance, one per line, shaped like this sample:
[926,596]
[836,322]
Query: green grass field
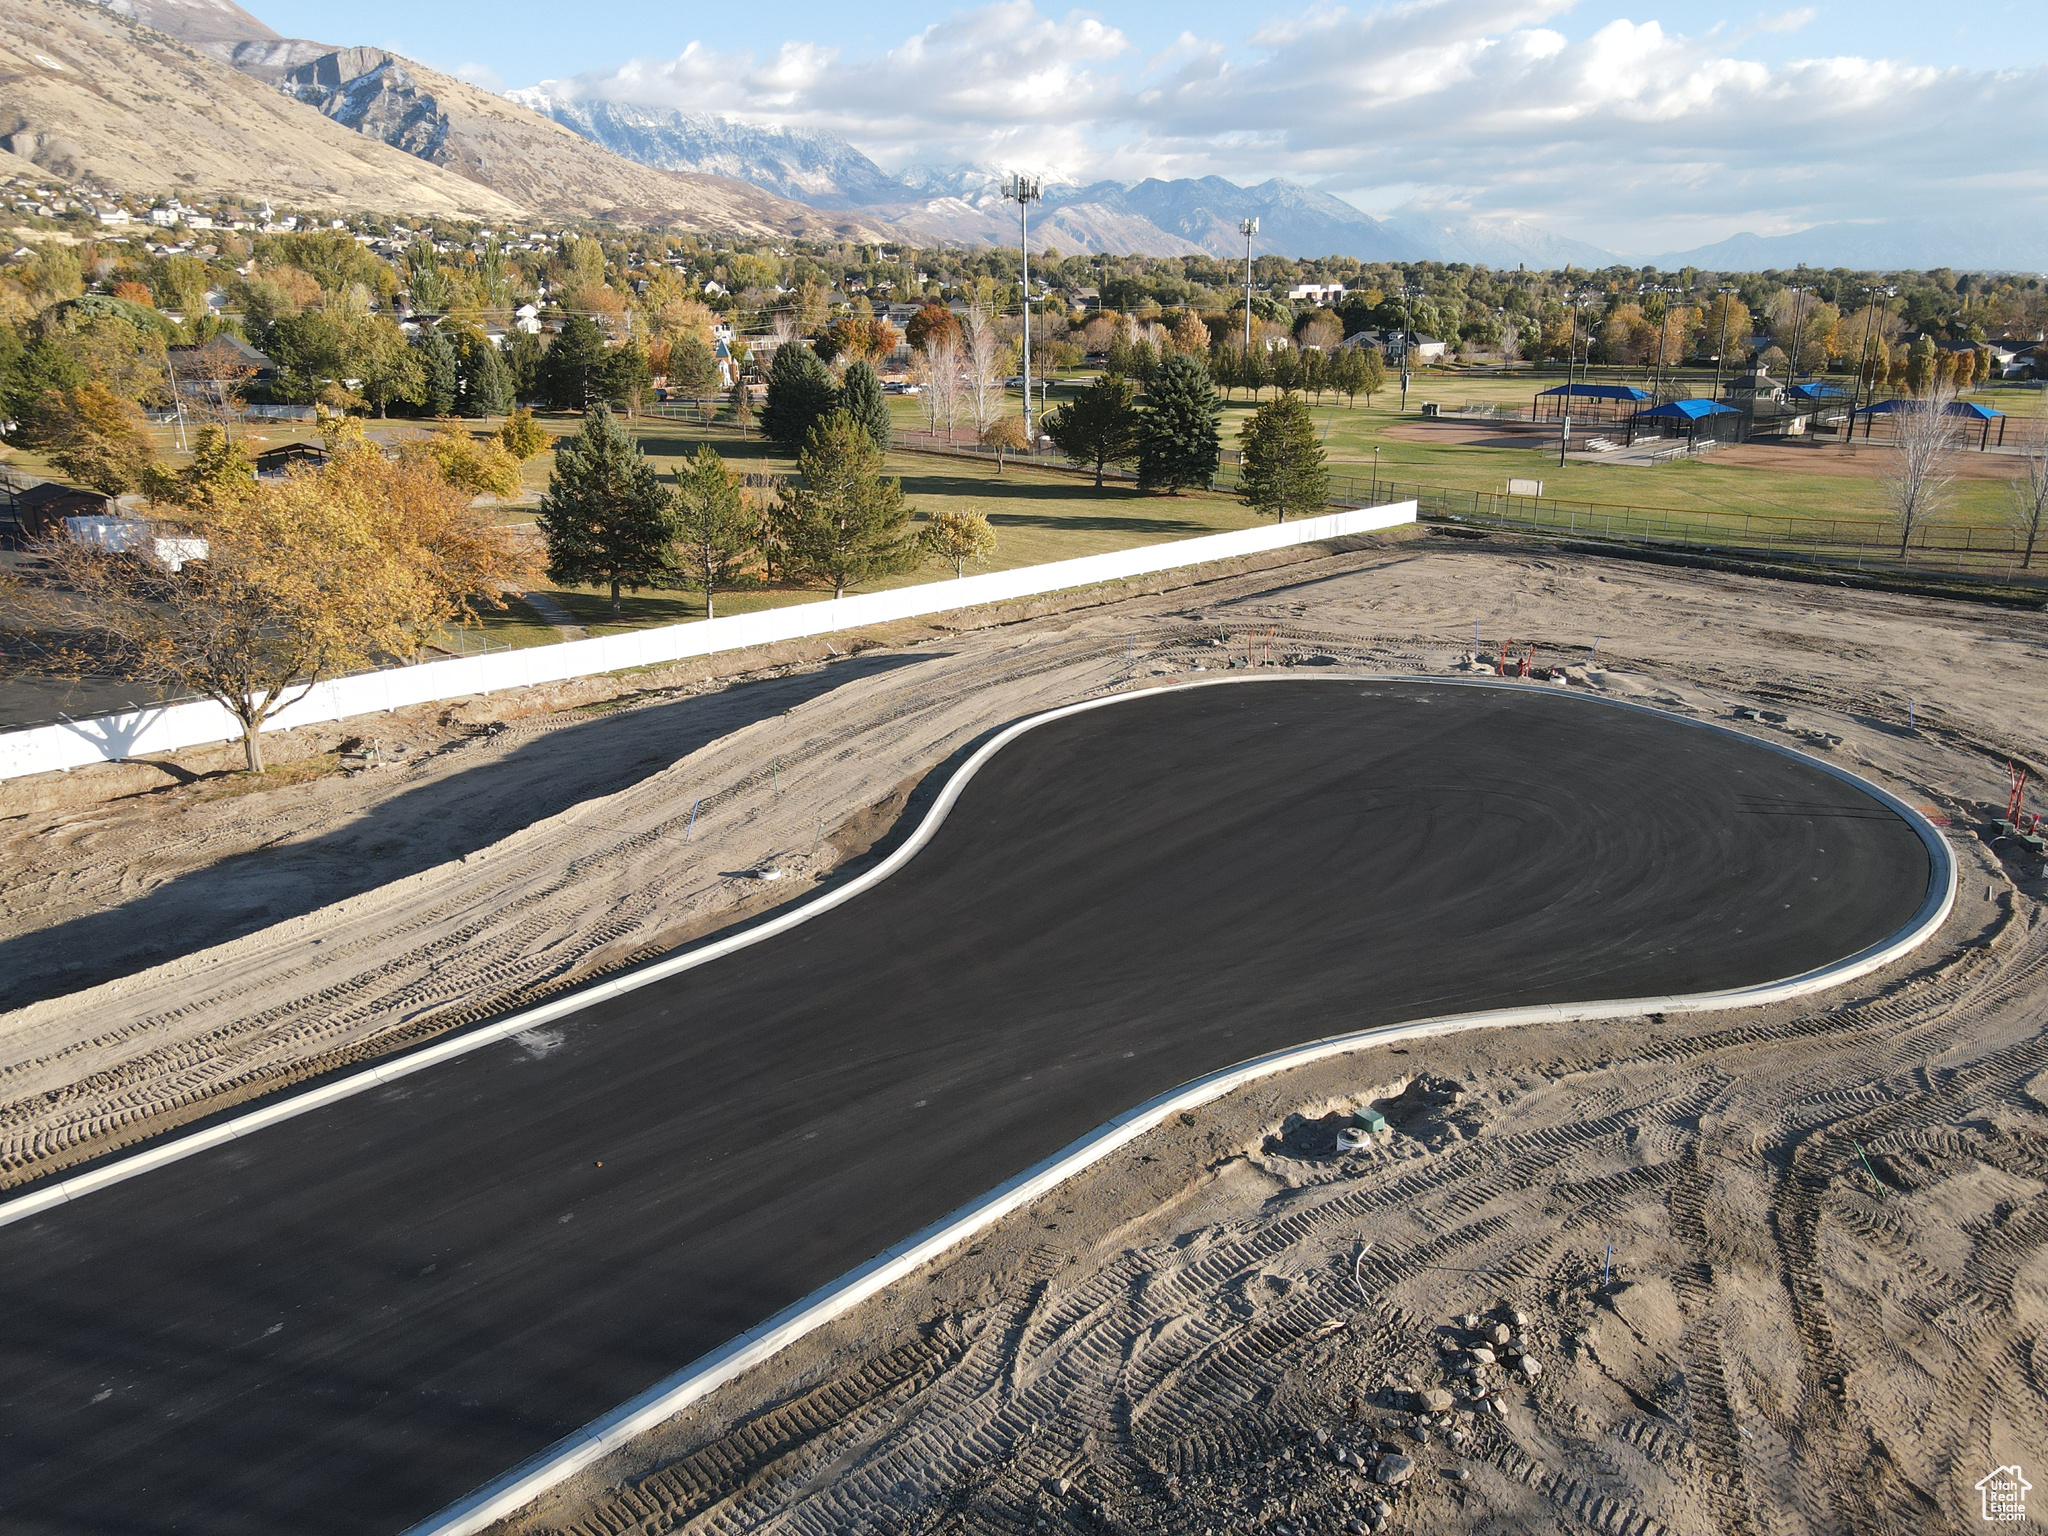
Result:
[1039,515]
[1700,486]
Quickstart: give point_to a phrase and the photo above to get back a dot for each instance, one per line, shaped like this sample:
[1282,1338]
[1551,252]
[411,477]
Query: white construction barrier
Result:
[172,727]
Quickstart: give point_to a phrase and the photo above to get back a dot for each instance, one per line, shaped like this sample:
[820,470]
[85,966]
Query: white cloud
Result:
[1630,135]
[479,75]
[1788,21]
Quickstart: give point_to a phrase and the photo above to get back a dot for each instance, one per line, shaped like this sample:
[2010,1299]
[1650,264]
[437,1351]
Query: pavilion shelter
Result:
[1682,418]
[1968,410]
[1607,402]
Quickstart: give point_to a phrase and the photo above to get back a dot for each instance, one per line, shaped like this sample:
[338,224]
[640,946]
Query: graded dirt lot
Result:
[1827,1219]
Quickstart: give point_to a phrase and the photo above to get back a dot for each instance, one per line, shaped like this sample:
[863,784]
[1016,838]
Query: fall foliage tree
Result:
[481,467]
[328,571]
[957,536]
[96,437]
[522,436]
[932,323]
[1004,435]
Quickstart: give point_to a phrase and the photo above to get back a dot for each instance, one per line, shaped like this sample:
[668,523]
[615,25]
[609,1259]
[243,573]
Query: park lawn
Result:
[1039,515]
[515,625]
[1696,486]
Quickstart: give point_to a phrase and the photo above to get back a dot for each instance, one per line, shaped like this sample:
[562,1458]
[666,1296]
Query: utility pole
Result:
[1571,363]
[1024,191]
[1248,228]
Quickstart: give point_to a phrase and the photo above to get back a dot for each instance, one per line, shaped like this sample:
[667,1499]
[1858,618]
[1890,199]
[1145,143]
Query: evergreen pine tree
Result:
[526,361]
[846,522]
[485,382]
[1283,462]
[800,393]
[605,516]
[1180,440]
[861,397]
[437,365]
[715,528]
[1099,427]
[572,371]
[624,377]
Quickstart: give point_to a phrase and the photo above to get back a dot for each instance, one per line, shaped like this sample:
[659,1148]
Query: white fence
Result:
[171,727]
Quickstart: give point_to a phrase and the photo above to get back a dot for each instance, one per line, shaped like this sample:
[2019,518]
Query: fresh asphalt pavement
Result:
[347,1320]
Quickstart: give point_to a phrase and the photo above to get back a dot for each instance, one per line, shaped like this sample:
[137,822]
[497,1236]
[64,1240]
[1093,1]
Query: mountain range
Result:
[201,97]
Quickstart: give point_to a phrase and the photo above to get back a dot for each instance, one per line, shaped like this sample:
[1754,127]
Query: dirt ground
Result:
[1828,1307]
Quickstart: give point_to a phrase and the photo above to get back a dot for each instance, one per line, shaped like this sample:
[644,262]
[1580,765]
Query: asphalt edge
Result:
[522,1484]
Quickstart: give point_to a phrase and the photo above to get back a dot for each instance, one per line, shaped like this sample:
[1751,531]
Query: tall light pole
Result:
[1571,363]
[1798,325]
[1024,191]
[1862,365]
[1407,341]
[1663,296]
[1721,349]
[1248,228]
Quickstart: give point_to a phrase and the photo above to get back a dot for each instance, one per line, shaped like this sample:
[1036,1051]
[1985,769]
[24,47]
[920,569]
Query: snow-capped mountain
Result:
[1494,242]
[813,167]
[2009,244]
[964,203]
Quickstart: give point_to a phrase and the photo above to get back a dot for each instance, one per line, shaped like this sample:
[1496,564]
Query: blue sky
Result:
[1633,126]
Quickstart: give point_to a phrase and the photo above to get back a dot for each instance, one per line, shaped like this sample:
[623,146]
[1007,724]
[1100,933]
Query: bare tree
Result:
[223,372]
[938,384]
[1919,476]
[2030,495]
[983,358]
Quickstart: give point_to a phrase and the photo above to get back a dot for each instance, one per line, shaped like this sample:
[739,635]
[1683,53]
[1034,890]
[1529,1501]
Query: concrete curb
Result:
[527,1481]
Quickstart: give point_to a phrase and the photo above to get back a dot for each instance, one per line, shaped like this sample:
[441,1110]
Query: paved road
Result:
[346,1321]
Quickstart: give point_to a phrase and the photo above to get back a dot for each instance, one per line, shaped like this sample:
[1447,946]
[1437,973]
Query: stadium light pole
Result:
[1248,228]
[1407,341]
[1798,325]
[1862,365]
[1571,363]
[1024,191]
[1721,349]
[1663,315]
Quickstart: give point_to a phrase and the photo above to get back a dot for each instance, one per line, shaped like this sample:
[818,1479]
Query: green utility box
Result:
[1369,1120]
